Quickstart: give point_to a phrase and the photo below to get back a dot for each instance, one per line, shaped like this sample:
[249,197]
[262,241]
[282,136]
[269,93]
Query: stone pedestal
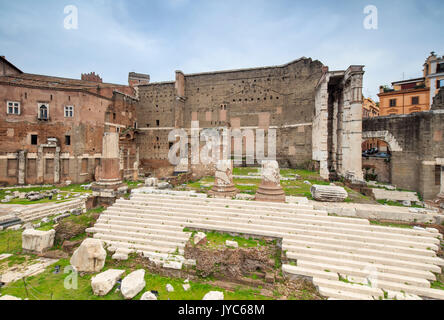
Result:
[223,184]
[270,188]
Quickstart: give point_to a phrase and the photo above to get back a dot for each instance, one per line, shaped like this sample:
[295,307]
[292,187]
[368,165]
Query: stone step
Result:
[365,265]
[293,271]
[412,261]
[353,246]
[343,294]
[179,204]
[231,209]
[209,225]
[235,204]
[357,272]
[292,243]
[50,209]
[226,212]
[313,214]
[348,287]
[151,229]
[333,232]
[140,244]
[419,291]
[345,222]
[375,230]
[407,261]
[153,225]
[297,271]
[146,236]
[220,201]
[139,248]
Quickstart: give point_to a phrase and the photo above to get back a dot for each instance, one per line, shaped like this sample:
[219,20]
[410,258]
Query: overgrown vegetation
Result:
[51,286]
[217,240]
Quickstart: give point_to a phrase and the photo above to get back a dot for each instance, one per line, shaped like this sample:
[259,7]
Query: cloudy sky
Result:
[158,37]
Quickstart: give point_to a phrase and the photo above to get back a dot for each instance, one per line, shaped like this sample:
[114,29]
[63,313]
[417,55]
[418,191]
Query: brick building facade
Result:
[51,128]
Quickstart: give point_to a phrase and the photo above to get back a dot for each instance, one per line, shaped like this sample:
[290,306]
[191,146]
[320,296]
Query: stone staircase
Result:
[38,212]
[346,258]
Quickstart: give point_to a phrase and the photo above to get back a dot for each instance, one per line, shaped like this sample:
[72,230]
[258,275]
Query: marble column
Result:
[223,184]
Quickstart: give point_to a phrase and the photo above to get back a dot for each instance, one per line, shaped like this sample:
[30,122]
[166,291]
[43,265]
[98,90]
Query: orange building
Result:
[370,108]
[413,95]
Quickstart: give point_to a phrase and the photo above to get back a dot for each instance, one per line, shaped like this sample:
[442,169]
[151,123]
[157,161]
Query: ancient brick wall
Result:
[281,98]
[416,142]
[78,138]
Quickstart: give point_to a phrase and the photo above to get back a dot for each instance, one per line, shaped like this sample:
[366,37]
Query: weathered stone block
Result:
[105,281]
[37,241]
[328,193]
[89,257]
[133,283]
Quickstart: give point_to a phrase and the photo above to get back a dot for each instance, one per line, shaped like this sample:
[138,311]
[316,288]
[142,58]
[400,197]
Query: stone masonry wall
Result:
[272,97]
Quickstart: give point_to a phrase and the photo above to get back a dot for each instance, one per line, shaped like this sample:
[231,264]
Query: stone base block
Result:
[270,192]
[37,241]
[223,191]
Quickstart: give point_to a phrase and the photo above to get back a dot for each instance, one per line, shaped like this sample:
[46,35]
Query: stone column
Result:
[320,125]
[57,166]
[270,188]
[22,167]
[40,165]
[108,175]
[223,184]
[441,193]
[352,124]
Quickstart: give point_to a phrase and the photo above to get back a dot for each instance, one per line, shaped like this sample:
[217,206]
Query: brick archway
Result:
[385,136]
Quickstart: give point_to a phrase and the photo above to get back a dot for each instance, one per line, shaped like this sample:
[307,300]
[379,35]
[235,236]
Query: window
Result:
[69,111]
[13,107]
[439,84]
[68,140]
[440,68]
[34,139]
[415,100]
[158,122]
[392,102]
[43,112]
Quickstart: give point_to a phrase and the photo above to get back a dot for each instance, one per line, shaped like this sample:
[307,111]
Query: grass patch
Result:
[50,286]
[388,224]
[397,204]
[217,240]
[11,241]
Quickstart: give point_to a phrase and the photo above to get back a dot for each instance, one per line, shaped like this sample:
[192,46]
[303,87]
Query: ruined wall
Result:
[416,142]
[378,166]
[337,124]
[273,97]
